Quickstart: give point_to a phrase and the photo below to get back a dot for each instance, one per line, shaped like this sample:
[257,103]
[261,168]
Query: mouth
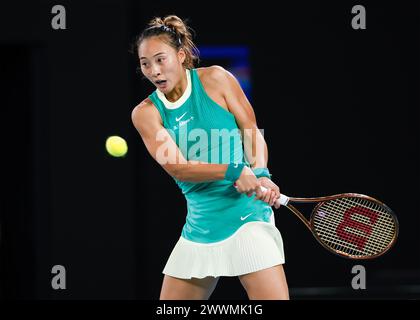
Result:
[160,83]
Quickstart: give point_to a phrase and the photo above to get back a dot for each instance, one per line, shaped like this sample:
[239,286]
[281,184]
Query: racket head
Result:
[354,226]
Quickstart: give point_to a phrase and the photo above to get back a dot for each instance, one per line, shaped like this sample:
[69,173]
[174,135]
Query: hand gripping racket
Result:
[350,225]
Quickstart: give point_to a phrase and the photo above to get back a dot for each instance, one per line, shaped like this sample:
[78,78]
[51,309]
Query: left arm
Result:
[255,146]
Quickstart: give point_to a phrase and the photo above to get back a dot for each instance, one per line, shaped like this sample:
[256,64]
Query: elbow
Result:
[177,172]
[182,173]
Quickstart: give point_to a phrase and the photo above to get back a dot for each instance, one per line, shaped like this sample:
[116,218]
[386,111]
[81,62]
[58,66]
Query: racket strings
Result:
[366,227]
[338,244]
[330,235]
[386,220]
[342,246]
[388,226]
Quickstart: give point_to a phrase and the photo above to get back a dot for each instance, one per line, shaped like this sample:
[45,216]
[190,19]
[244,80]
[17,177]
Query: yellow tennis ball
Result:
[116,146]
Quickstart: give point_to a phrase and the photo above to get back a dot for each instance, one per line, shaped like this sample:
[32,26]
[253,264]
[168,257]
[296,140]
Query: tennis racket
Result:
[350,225]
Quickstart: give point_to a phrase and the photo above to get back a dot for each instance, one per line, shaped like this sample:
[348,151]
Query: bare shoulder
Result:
[145,112]
[213,74]
[142,108]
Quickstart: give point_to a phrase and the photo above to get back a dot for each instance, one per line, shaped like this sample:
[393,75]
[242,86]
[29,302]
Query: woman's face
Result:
[161,63]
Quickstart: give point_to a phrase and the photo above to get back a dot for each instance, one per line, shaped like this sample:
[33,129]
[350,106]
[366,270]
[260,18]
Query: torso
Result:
[215,208]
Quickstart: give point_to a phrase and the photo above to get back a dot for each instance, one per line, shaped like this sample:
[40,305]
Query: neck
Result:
[179,88]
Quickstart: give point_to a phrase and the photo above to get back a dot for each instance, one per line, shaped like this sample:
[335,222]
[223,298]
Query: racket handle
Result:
[283,200]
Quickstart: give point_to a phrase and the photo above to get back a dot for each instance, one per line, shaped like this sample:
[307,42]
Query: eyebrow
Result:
[153,55]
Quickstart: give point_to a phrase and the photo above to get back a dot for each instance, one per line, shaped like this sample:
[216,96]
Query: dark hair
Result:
[175,32]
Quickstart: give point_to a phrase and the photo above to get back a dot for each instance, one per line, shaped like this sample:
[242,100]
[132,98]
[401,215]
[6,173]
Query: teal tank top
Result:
[205,131]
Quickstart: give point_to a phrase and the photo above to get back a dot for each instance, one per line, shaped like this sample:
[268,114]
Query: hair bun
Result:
[179,36]
[176,24]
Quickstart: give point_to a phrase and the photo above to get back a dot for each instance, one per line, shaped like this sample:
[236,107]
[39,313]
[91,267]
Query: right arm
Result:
[146,119]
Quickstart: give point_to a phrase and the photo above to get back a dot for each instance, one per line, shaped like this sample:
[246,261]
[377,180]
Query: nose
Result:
[155,70]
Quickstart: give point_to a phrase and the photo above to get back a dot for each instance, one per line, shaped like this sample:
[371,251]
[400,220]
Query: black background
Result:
[340,113]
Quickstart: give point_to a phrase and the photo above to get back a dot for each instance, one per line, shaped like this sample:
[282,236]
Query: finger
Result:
[256,194]
[259,193]
[270,198]
[267,196]
[278,193]
[276,190]
[273,198]
[264,195]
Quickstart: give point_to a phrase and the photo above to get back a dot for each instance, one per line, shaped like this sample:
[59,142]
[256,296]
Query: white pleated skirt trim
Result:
[254,246]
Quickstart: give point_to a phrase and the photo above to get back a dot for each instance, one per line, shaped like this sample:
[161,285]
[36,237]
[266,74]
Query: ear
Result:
[181,55]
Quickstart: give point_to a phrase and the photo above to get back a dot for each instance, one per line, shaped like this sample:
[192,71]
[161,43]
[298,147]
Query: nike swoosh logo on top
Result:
[243,218]
[177,119]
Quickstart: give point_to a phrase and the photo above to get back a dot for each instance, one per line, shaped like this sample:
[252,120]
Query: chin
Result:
[165,90]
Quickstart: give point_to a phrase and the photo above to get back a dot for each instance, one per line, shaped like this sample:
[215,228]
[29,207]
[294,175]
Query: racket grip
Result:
[283,200]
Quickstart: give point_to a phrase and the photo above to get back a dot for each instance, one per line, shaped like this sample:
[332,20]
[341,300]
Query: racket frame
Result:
[320,200]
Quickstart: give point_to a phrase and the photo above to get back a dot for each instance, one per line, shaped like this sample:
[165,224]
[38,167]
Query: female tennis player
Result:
[229,229]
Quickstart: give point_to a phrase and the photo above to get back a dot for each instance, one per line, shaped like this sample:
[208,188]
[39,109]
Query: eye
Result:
[161,59]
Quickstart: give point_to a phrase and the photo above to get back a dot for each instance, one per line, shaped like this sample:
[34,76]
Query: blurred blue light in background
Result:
[233,58]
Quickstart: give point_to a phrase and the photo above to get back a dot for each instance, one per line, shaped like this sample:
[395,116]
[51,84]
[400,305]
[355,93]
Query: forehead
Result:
[150,46]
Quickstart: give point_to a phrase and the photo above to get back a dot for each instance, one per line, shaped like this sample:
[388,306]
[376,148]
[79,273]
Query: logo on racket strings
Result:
[349,223]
